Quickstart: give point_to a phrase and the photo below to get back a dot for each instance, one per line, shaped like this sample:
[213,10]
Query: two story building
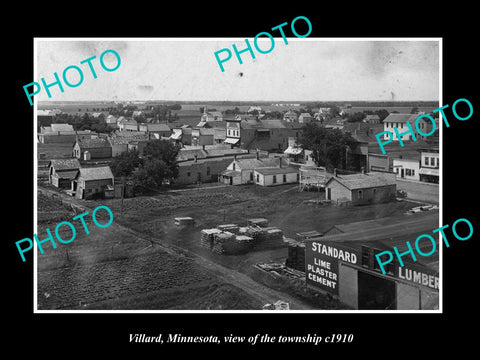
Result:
[430,165]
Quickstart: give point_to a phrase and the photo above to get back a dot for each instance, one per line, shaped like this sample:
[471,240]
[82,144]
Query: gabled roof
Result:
[64,164]
[157,127]
[69,174]
[126,121]
[95,173]
[93,143]
[190,154]
[61,127]
[276,170]
[363,181]
[290,112]
[44,113]
[400,118]
[247,164]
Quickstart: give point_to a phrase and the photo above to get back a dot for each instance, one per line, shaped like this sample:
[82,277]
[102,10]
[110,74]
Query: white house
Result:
[276,176]
[408,169]
[241,171]
[399,121]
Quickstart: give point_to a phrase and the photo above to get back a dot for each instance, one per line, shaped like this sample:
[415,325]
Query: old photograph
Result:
[238,175]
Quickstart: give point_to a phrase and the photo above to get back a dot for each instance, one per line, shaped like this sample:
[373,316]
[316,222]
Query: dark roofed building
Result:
[161,129]
[359,189]
[359,281]
[62,171]
[92,181]
[96,148]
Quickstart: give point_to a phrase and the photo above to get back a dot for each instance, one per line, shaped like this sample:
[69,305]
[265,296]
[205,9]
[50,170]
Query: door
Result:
[375,293]
[329,194]
[402,173]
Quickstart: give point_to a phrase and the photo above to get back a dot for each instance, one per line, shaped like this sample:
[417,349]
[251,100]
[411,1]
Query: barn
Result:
[61,172]
[92,181]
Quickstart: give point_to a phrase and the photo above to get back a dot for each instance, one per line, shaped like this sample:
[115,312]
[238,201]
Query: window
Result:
[258,178]
[438,162]
[426,160]
[298,177]
[274,179]
[251,176]
[413,172]
[432,161]
[389,268]
[188,174]
[360,194]
[284,178]
[365,256]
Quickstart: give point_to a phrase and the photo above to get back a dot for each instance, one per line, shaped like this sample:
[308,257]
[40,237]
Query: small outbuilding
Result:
[358,189]
[93,181]
[61,172]
[276,176]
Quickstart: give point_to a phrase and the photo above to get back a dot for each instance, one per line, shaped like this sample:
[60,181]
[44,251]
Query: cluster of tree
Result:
[79,122]
[329,146]
[359,116]
[157,166]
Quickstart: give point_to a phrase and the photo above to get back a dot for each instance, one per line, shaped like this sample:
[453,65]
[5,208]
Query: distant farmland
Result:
[193,109]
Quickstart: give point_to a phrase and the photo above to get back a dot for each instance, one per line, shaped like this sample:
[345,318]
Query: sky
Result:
[308,69]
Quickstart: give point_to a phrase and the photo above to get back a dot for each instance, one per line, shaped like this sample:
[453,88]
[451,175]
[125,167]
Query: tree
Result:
[125,163]
[165,151]
[152,174]
[355,117]
[329,146]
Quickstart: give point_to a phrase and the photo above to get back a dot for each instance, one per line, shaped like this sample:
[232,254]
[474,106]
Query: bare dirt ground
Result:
[119,268]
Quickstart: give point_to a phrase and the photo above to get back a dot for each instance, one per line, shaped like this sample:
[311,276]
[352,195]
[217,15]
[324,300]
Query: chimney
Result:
[280,162]
[335,172]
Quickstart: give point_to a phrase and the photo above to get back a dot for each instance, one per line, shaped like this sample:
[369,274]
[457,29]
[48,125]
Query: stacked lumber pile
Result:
[296,255]
[261,222]
[265,238]
[206,238]
[184,221]
[233,228]
[231,239]
[227,243]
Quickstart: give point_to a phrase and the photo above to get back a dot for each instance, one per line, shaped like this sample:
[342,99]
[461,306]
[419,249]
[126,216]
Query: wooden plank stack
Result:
[266,238]
[296,255]
[227,243]
[206,237]
[186,221]
[233,228]
[261,222]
